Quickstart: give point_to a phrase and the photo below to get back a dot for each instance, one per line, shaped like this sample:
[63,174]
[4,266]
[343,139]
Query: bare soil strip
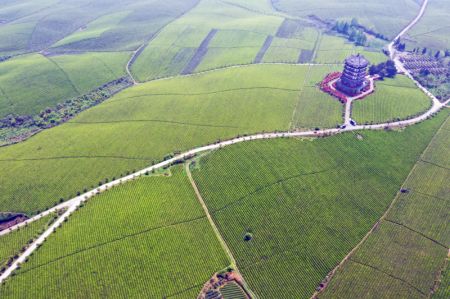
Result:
[199,54]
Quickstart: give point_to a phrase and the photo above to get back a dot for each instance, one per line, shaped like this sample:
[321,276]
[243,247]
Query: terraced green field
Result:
[14,242]
[393,99]
[383,16]
[403,257]
[147,122]
[31,83]
[306,203]
[148,238]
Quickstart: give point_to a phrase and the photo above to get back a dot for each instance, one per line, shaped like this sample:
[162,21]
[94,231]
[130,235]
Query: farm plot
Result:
[14,243]
[232,47]
[407,251]
[312,102]
[241,33]
[304,203]
[334,49]
[146,123]
[394,99]
[288,50]
[34,82]
[382,16]
[148,238]
[294,42]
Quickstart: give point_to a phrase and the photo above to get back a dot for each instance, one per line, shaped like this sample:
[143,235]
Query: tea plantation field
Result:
[306,203]
[13,243]
[149,121]
[241,33]
[83,25]
[432,30]
[31,83]
[393,99]
[403,257]
[216,34]
[147,238]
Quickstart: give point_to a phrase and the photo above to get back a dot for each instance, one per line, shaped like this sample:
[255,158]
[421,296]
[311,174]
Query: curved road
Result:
[74,203]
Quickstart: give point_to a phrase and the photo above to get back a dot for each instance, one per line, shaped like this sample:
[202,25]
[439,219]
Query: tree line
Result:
[352,30]
[384,69]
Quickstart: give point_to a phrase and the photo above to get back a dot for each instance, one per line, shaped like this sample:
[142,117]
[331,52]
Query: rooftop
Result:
[357,61]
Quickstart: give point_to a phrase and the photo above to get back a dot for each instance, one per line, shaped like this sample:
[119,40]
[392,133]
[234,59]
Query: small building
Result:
[353,80]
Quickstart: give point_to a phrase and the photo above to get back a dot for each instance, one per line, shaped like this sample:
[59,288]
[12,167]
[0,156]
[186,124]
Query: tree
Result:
[391,69]
[345,28]
[373,70]
[424,51]
[424,72]
[437,55]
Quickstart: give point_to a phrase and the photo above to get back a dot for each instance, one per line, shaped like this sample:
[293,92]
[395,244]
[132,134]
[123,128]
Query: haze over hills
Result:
[224,149]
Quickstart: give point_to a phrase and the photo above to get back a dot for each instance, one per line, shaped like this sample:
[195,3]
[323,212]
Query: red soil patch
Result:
[219,280]
[328,85]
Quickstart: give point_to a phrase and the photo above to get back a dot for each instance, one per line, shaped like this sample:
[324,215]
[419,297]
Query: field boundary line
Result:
[78,92]
[429,195]
[389,274]
[152,120]
[112,241]
[267,186]
[147,41]
[299,96]
[433,164]
[417,232]
[214,227]
[204,93]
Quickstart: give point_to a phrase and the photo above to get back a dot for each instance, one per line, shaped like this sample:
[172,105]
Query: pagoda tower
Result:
[353,79]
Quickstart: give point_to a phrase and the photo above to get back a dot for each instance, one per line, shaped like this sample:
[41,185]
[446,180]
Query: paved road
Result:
[72,204]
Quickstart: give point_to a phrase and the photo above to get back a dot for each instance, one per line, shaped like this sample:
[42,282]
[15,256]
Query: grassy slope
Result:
[95,29]
[25,85]
[149,238]
[12,243]
[90,70]
[308,211]
[111,25]
[383,16]
[143,19]
[393,99]
[432,31]
[31,83]
[402,257]
[139,126]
